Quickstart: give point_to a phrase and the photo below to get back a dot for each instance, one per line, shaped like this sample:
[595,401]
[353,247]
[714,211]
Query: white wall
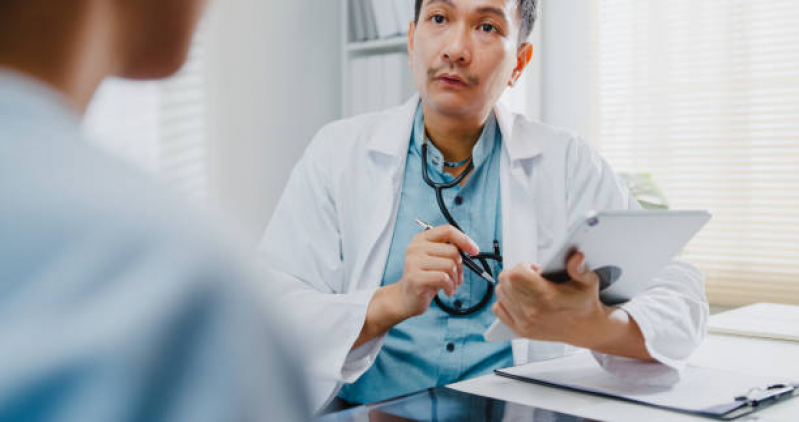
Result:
[567,77]
[274,74]
[525,97]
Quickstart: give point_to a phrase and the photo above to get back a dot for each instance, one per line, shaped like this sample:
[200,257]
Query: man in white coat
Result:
[117,301]
[392,309]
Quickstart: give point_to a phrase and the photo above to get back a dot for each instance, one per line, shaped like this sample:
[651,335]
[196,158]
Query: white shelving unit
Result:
[377,46]
[353,50]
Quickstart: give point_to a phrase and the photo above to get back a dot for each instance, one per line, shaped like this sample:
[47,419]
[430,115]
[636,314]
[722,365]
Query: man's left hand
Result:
[536,308]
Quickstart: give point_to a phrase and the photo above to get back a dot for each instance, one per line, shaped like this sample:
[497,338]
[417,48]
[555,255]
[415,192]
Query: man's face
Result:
[463,54]
[154,35]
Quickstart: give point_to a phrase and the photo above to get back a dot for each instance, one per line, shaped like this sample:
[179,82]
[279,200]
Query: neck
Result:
[62,47]
[455,137]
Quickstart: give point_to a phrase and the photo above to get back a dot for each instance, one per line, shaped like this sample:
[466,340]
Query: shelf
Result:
[392,44]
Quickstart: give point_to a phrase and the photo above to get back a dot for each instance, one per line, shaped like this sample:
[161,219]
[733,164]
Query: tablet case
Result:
[625,247]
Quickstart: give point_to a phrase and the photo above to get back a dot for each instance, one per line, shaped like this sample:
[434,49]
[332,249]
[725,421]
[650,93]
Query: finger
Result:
[503,315]
[445,250]
[524,290]
[460,272]
[506,295]
[437,280]
[528,268]
[434,263]
[523,279]
[449,234]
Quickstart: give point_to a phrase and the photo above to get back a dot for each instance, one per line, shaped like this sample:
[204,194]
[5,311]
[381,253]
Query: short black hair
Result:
[528,12]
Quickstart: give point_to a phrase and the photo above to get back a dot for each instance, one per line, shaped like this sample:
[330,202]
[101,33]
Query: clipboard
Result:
[712,393]
[626,248]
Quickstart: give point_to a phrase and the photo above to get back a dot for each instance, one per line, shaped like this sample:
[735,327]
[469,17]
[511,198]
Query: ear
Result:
[523,57]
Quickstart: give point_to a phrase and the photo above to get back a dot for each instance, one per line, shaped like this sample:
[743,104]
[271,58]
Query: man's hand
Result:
[571,312]
[432,263]
[534,307]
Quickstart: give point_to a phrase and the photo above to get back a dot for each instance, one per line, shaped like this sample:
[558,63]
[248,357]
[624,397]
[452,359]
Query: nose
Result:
[457,48]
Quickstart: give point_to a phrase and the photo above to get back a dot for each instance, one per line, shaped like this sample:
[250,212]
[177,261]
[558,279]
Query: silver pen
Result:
[467,260]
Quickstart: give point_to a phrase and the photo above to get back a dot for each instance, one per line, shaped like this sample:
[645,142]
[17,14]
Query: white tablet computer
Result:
[625,247]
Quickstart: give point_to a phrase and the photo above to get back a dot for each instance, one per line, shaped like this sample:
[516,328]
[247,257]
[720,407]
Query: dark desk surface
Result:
[443,404]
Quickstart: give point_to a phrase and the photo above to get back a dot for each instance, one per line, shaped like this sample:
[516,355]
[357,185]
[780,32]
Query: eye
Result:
[439,19]
[487,27]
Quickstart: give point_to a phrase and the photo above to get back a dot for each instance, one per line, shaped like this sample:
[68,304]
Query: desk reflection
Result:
[444,405]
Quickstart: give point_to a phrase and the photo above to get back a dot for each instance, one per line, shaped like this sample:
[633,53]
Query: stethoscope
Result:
[482,258]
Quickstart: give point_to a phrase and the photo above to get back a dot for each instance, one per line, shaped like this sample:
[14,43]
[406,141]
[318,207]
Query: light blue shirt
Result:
[117,302]
[436,348]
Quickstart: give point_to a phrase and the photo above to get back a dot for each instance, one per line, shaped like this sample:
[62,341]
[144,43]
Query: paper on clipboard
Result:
[711,392]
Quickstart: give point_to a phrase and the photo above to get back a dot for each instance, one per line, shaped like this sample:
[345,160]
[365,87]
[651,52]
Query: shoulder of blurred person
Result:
[118,300]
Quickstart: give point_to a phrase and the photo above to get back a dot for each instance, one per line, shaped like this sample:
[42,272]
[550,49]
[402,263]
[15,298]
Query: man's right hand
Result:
[432,263]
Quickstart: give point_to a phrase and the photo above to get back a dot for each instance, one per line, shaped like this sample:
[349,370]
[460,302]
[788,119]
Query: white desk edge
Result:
[743,354]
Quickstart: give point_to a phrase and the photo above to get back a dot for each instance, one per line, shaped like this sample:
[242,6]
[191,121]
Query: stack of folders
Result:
[700,391]
[379,19]
[765,320]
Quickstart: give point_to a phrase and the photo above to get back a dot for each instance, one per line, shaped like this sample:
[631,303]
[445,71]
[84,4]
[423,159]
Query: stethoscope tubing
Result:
[439,188]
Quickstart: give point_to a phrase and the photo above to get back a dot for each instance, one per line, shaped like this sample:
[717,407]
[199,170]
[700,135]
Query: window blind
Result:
[704,96]
[159,126]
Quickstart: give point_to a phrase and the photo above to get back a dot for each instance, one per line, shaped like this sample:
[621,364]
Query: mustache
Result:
[469,78]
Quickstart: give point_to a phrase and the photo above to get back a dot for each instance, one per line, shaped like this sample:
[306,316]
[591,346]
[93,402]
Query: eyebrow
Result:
[482,10]
[447,2]
[490,10]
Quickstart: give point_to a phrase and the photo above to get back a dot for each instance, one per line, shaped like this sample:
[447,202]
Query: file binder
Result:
[713,393]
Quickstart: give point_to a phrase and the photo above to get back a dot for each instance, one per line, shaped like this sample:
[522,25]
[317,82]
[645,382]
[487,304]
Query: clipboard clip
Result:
[759,396]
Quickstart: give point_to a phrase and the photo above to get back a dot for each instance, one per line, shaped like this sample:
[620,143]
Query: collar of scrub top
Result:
[393,135]
[480,152]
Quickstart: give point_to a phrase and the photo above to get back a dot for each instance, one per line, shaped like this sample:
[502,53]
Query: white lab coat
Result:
[329,238]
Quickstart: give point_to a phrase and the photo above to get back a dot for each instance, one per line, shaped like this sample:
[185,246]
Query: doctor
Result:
[393,309]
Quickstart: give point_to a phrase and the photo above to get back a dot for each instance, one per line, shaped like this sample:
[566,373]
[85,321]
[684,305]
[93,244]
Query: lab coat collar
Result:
[393,137]
[519,147]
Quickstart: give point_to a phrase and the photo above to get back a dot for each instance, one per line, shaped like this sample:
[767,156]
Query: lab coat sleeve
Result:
[672,315]
[302,252]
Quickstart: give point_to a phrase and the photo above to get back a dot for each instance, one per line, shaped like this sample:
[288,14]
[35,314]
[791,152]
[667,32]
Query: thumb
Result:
[579,272]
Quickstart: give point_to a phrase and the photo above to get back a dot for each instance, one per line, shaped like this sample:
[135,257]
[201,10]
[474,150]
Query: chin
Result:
[156,65]
[452,104]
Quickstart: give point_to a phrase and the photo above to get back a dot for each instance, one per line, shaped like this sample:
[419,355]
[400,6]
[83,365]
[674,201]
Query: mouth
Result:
[451,79]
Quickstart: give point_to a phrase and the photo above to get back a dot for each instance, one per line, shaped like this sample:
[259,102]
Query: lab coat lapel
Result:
[388,150]
[521,231]
[519,223]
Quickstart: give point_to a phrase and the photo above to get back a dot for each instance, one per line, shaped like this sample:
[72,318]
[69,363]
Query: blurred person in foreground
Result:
[117,303]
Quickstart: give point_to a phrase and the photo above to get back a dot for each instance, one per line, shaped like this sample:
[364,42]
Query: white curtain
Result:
[704,96]
[159,126]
